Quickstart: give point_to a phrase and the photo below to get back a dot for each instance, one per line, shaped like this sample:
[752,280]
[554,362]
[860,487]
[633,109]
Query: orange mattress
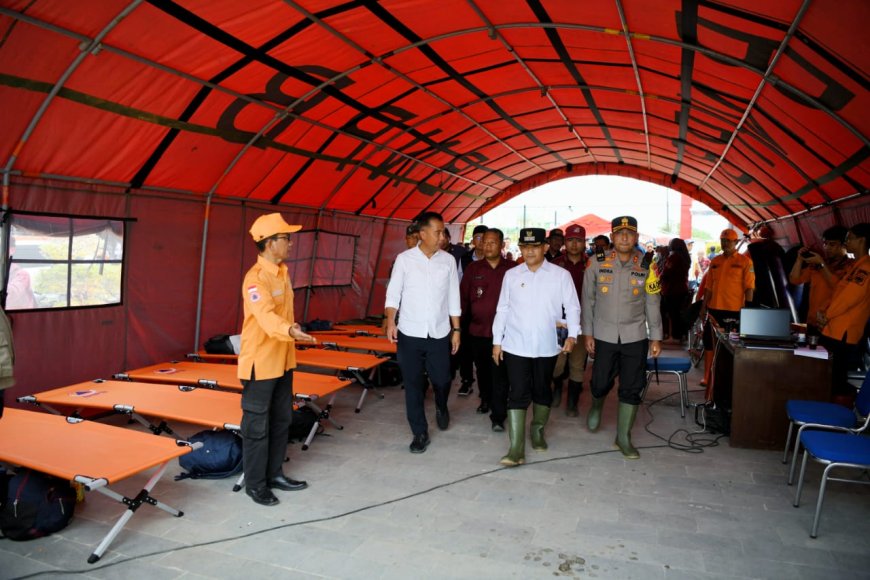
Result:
[207,407]
[51,444]
[192,373]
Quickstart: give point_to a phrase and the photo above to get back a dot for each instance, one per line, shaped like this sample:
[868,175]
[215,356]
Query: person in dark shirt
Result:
[674,279]
[478,292]
[574,260]
[556,240]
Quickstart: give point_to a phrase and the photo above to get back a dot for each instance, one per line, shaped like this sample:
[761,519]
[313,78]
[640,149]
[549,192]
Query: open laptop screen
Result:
[765,323]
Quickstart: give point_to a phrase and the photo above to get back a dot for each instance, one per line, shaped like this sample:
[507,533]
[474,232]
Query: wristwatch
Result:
[456,329]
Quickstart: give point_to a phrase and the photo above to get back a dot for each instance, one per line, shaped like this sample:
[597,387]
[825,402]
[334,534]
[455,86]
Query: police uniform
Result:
[620,301]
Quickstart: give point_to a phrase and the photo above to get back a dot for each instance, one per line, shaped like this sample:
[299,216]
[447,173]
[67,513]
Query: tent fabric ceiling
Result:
[758,109]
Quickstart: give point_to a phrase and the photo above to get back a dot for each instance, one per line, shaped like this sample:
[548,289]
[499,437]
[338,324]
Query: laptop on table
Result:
[766,328]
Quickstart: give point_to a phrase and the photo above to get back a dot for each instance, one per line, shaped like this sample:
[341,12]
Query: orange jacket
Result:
[728,279]
[267,346]
[849,308]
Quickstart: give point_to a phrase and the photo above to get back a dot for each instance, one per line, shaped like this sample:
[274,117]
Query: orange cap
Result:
[729,235]
[269,225]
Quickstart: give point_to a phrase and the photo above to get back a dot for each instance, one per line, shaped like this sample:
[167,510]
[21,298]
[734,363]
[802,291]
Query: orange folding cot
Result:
[373,344]
[307,387]
[89,453]
[361,367]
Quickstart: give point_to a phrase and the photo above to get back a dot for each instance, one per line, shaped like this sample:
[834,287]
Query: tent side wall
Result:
[161,271]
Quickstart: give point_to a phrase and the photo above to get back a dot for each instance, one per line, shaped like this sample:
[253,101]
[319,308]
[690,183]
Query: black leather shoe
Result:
[262,496]
[498,426]
[465,389]
[482,409]
[287,484]
[442,417]
[420,443]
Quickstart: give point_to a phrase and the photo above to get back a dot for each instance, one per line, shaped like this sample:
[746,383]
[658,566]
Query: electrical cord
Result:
[694,444]
[695,441]
[314,520]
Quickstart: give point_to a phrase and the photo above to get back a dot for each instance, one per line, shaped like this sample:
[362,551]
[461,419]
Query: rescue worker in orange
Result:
[729,285]
[844,319]
[267,358]
[822,272]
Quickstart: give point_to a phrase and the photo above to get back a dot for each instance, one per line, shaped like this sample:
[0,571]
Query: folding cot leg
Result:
[367,384]
[132,504]
[239,482]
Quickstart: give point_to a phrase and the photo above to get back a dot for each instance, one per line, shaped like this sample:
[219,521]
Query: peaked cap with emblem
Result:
[624,222]
[532,236]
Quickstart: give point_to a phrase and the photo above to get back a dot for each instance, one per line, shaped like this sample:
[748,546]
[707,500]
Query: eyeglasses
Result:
[285,238]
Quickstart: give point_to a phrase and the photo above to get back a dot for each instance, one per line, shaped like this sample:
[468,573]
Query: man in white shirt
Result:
[534,298]
[425,283]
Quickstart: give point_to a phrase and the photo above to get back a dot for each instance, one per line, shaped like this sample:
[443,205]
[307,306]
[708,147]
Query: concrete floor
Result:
[374,510]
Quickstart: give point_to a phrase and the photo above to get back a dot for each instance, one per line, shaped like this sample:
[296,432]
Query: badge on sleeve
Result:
[253,294]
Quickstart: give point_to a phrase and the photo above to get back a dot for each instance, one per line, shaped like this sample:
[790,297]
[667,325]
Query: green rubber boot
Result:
[593,419]
[624,422]
[540,416]
[557,392]
[517,431]
[574,389]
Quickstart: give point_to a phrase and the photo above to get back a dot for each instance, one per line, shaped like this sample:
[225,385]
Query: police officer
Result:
[266,361]
[620,300]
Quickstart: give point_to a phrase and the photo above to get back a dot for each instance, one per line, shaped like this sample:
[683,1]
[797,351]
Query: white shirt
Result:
[530,305]
[427,290]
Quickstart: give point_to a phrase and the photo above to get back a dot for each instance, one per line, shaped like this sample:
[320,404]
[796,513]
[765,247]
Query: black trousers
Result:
[267,410]
[624,359]
[530,380]
[841,354]
[492,380]
[416,355]
[463,360]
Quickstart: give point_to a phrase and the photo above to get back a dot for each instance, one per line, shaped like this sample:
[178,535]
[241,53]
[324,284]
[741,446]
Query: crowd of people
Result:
[525,326]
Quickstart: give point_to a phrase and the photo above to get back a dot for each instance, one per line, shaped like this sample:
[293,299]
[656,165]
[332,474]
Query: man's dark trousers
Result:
[416,355]
[625,359]
[529,379]
[266,415]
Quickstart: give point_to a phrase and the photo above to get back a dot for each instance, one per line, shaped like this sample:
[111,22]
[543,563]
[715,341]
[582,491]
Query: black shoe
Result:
[465,389]
[420,443]
[483,408]
[287,484]
[442,417]
[262,496]
[498,426]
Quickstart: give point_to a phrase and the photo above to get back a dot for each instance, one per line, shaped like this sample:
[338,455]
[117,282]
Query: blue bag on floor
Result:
[220,456]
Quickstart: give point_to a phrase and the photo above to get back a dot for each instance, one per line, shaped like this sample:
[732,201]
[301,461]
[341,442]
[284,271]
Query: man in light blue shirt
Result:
[536,298]
[425,284]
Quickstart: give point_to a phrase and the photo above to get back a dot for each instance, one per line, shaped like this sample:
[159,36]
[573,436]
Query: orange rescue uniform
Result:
[820,289]
[728,279]
[267,346]
[849,309]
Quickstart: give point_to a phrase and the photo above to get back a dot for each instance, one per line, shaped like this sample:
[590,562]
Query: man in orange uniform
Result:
[845,318]
[729,284]
[821,272]
[266,361]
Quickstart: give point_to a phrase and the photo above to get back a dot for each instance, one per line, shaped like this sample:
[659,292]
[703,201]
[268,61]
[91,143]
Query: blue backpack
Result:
[36,505]
[220,456]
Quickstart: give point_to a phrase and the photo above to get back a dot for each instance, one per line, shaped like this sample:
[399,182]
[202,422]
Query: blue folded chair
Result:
[816,414]
[675,366]
[835,449]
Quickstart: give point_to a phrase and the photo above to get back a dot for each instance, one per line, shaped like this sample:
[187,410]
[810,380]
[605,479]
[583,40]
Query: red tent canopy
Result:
[593,224]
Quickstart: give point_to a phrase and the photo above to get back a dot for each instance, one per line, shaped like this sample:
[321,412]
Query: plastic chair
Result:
[836,450]
[674,366]
[817,414]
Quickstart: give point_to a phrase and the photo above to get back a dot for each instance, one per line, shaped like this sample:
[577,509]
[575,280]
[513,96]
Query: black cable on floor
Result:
[315,520]
[695,441]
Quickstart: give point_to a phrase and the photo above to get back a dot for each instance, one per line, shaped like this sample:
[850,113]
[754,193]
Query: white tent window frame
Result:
[63,262]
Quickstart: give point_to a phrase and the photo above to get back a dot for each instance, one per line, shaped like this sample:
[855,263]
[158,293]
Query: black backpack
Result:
[220,456]
[36,505]
[219,344]
[303,420]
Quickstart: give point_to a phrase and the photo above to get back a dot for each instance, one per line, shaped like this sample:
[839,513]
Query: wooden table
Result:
[756,383]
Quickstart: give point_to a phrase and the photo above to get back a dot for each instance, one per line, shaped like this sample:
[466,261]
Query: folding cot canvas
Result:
[89,453]
[375,344]
[307,387]
[360,366]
